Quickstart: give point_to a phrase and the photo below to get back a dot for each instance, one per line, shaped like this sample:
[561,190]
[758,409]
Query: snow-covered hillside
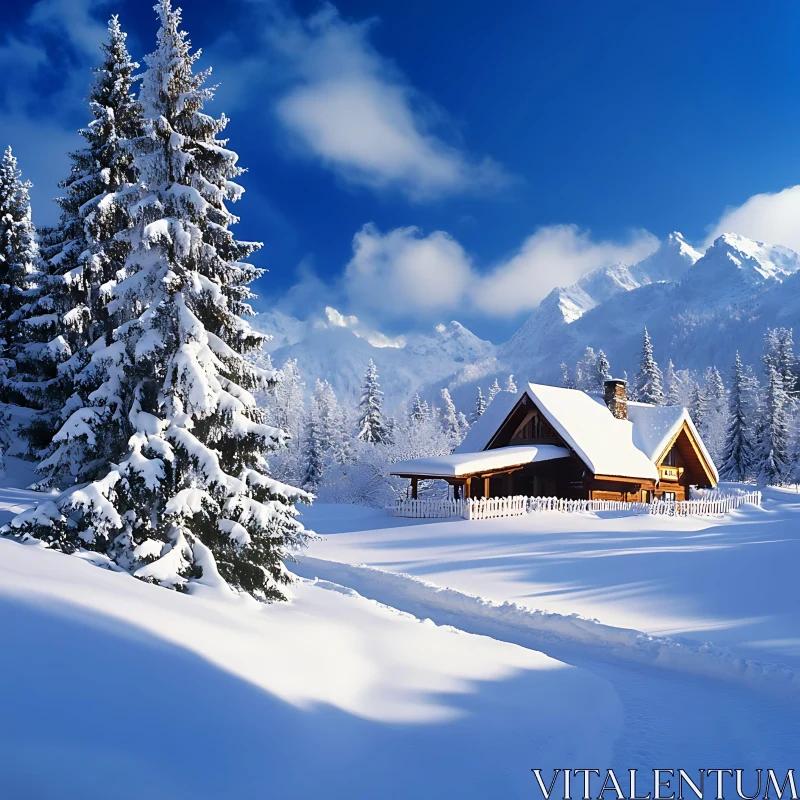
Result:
[373,682]
[699,309]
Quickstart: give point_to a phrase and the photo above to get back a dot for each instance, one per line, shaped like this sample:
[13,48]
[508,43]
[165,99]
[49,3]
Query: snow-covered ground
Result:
[444,689]
[728,580]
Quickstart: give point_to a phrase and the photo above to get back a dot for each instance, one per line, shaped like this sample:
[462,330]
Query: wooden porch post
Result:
[468,488]
[486,480]
[414,484]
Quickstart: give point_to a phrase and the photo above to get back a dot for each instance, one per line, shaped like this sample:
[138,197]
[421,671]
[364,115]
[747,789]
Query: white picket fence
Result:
[495,507]
[705,506]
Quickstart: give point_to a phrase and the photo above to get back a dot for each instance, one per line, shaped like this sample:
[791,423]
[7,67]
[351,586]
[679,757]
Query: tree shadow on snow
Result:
[91,707]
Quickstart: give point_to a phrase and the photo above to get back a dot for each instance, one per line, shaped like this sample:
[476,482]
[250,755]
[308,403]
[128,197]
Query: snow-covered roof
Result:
[485,427]
[604,443]
[607,445]
[654,427]
[457,465]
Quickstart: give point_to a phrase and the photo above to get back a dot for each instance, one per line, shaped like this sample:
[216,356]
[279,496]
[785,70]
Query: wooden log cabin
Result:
[548,441]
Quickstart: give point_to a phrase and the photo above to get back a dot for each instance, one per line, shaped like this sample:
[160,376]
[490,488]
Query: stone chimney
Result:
[616,397]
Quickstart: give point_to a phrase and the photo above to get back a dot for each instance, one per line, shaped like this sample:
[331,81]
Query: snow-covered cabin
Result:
[551,441]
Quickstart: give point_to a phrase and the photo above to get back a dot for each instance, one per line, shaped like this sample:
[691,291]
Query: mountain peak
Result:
[755,262]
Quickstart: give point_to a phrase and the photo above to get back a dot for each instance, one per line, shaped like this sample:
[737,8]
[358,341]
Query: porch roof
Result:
[461,465]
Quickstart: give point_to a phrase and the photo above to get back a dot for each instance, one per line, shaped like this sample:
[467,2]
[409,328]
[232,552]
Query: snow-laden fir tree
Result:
[480,407]
[713,423]
[494,390]
[450,423]
[313,444]
[190,498]
[602,371]
[649,385]
[510,385]
[419,410]
[285,401]
[779,355]
[567,379]
[18,257]
[671,386]
[697,405]
[84,254]
[586,371]
[333,429]
[738,455]
[371,425]
[773,447]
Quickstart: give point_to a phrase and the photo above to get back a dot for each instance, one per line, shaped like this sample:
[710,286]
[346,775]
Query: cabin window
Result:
[668,496]
[669,458]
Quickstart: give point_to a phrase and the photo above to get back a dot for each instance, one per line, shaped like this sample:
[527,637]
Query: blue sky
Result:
[412,162]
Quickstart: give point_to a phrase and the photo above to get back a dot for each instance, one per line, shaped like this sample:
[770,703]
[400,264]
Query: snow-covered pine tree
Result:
[84,255]
[285,404]
[779,354]
[450,417]
[773,448]
[494,390]
[19,257]
[480,407]
[567,380]
[191,497]
[510,385]
[586,371]
[371,425]
[697,405]
[671,386]
[602,371]
[649,382]
[419,412]
[335,444]
[738,455]
[313,441]
[714,422]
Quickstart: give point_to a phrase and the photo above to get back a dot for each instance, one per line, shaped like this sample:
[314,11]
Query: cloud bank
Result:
[771,217]
[406,273]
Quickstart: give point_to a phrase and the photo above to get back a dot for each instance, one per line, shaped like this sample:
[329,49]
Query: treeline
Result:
[749,423]
[343,452]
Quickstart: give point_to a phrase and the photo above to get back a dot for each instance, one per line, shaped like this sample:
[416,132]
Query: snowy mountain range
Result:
[699,308]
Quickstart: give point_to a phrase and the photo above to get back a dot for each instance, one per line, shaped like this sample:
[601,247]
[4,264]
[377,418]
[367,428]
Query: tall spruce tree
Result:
[773,447]
[450,421]
[419,410]
[313,442]
[19,257]
[511,386]
[190,495]
[739,452]
[85,254]
[649,385]
[480,407]
[494,390]
[371,425]
[602,371]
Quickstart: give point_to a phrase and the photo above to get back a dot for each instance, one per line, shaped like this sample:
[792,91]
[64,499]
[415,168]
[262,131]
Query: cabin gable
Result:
[683,462]
[526,425]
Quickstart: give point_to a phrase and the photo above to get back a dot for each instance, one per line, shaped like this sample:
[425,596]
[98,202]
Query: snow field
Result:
[331,694]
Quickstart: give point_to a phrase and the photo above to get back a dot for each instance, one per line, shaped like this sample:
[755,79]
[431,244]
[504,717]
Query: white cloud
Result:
[555,255]
[407,274]
[349,107]
[769,217]
[404,273]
